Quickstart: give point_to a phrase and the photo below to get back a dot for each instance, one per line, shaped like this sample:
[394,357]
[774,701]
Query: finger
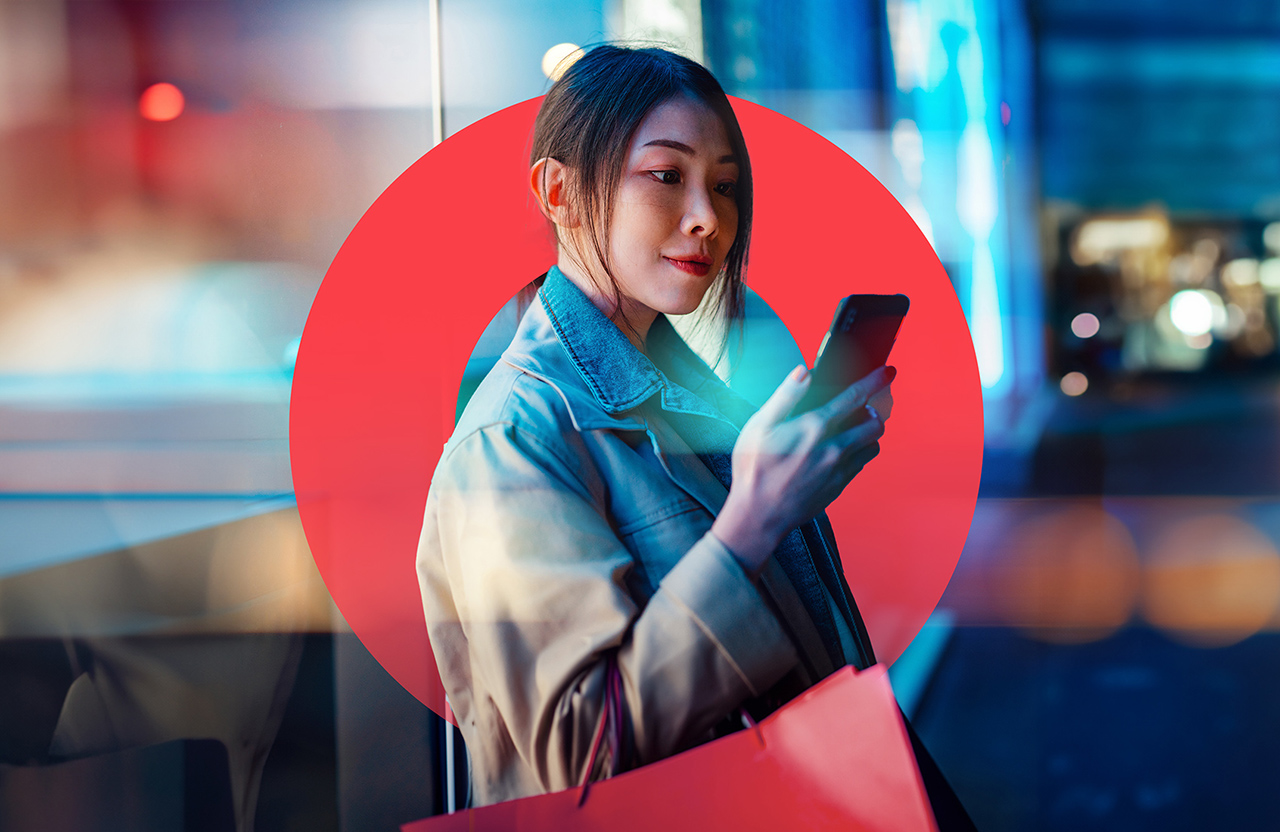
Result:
[859,460]
[883,403]
[856,395]
[786,397]
[849,468]
[860,435]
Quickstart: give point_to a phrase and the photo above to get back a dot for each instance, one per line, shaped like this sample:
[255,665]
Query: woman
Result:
[618,557]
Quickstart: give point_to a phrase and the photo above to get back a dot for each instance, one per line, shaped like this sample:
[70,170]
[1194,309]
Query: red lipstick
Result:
[695,265]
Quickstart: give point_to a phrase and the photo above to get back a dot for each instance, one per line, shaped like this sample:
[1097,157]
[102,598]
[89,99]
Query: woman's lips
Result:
[699,268]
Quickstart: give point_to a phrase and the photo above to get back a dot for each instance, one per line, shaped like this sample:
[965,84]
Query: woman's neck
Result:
[632,319]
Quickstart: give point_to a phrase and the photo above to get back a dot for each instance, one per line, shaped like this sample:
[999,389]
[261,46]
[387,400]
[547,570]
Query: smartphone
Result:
[859,340]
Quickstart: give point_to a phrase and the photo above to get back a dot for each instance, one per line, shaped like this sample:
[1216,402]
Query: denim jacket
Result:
[567,531]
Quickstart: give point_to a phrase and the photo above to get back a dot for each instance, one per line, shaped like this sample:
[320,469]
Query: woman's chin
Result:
[682,306]
[687,298]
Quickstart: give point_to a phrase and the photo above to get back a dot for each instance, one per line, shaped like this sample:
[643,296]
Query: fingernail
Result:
[892,372]
[872,411]
[800,373]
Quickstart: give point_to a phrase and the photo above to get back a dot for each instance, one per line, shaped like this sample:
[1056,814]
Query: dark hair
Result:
[587,121]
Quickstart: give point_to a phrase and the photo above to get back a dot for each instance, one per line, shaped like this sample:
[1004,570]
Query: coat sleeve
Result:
[523,580]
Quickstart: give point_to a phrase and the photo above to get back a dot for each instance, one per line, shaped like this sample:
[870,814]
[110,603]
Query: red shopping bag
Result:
[837,757]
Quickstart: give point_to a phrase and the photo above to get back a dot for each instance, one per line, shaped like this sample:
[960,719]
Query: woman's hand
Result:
[786,471]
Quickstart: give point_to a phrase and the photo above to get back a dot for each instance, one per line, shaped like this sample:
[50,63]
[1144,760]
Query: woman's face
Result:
[676,214]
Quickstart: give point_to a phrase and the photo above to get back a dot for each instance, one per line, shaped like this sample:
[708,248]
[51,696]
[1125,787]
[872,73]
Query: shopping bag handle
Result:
[611,715]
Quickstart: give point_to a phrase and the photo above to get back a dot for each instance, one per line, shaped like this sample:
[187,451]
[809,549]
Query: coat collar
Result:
[565,340]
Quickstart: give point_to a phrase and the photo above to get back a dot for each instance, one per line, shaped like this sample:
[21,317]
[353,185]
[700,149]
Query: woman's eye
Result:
[667,177]
[727,188]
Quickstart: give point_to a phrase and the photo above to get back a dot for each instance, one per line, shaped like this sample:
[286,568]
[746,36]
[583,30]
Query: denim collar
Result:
[619,376]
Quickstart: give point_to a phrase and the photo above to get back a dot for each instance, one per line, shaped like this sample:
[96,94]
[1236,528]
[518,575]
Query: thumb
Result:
[786,397]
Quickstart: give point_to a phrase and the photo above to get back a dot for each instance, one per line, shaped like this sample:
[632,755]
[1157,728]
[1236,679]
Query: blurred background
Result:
[1100,179]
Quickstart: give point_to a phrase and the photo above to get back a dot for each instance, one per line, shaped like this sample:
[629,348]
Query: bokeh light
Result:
[1240,272]
[1100,239]
[1212,579]
[1068,576]
[1192,312]
[559,58]
[1074,383]
[161,102]
[1269,274]
[1271,237]
[1085,325]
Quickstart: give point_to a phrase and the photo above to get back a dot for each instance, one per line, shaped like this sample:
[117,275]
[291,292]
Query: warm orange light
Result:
[1211,580]
[1068,576]
[1074,383]
[161,102]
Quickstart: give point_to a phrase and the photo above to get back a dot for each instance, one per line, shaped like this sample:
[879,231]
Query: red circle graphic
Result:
[457,235]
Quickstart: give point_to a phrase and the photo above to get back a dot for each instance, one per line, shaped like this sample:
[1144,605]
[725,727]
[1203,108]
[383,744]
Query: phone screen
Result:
[862,333]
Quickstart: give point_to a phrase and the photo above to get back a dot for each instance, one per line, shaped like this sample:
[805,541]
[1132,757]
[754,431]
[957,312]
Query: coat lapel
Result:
[685,468]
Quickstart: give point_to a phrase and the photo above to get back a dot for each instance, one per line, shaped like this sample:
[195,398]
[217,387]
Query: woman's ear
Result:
[549,180]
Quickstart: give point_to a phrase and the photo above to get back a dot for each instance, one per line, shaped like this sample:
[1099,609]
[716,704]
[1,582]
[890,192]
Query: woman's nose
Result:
[700,218]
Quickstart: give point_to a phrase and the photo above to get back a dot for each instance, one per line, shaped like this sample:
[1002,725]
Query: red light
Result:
[1005,113]
[161,102]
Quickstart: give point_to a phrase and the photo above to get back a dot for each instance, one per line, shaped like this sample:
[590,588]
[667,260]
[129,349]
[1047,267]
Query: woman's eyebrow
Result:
[684,148]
